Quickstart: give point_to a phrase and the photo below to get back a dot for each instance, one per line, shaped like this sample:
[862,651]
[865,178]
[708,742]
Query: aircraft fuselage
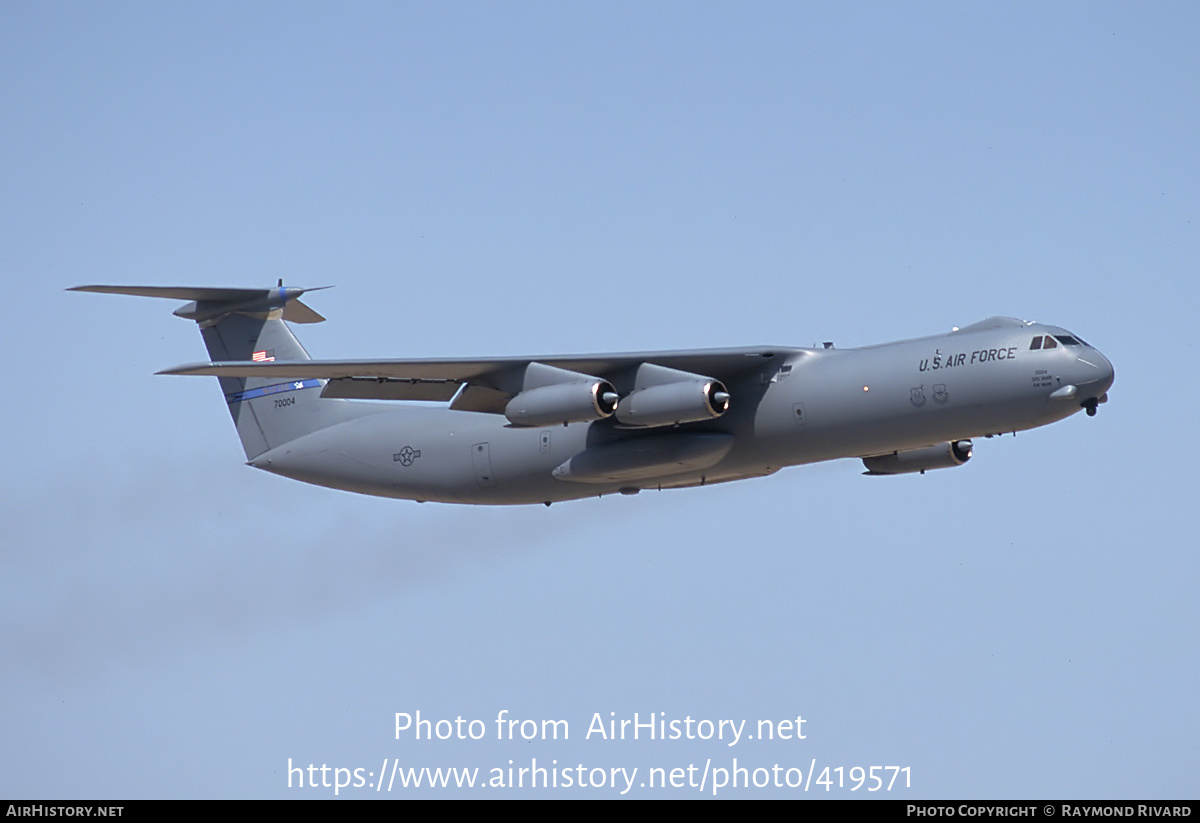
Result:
[792,407]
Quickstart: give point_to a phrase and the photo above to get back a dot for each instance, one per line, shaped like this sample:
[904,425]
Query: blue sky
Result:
[524,178]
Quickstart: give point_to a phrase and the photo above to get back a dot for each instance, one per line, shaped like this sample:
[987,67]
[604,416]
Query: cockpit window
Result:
[1049,341]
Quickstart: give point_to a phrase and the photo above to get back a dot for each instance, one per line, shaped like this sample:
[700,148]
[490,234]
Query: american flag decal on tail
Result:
[263,356]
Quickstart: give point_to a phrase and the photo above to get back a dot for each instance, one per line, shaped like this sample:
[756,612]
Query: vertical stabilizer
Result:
[248,325]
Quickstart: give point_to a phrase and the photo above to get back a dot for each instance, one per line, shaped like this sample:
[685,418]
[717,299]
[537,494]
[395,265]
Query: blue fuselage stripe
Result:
[277,388]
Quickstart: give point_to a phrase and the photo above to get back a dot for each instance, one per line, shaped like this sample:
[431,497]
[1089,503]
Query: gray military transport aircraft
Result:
[560,427]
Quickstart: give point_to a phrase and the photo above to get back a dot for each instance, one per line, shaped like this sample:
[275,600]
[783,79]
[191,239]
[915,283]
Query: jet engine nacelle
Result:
[687,401]
[562,403]
[941,456]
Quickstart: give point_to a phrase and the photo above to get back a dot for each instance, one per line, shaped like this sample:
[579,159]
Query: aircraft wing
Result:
[489,382]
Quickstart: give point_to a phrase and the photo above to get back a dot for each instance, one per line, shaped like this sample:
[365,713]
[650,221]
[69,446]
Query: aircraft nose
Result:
[1100,375]
[1095,379]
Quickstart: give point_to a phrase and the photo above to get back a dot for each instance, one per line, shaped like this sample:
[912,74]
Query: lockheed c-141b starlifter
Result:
[509,430]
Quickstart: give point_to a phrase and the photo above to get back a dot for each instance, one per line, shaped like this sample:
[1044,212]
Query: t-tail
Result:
[248,325]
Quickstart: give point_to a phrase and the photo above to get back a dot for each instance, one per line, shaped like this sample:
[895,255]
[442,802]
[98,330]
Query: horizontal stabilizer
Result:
[210,303]
[179,292]
[297,312]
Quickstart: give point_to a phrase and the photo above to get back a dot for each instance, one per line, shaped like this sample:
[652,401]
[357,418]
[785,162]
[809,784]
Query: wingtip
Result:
[188,368]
